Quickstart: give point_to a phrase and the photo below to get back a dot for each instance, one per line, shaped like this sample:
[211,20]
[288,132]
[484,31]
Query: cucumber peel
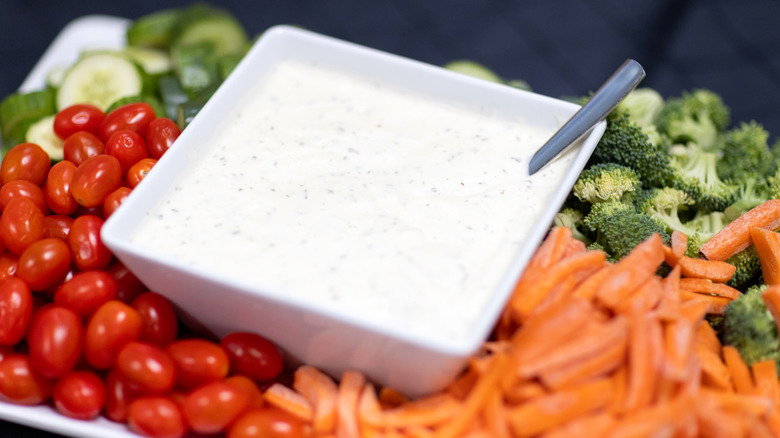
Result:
[100,79]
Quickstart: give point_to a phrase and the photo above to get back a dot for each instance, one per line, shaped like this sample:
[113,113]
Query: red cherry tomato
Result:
[268,422]
[79,394]
[26,161]
[114,200]
[56,190]
[95,179]
[16,307]
[44,264]
[138,171]
[21,224]
[87,249]
[24,188]
[112,326]
[157,417]
[161,327]
[128,147]
[131,117]
[212,407]
[128,285]
[86,291]
[252,355]
[55,340]
[146,368]
[118,397]
[249,386]
[9,264]
[160,135]
[57,226]
[198,361]
[75,118]
[80,146]
[20,384]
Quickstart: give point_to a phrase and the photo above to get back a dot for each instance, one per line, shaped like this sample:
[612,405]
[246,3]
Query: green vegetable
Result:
[572,219]
[42,133]
[698,116]
[474,69]
[697,174]
[606,182]
[202,23]
[748,271]
[744,153]
[155,29]
[750,328]
[19,110]
[100,79]
[619,227]
[666,204]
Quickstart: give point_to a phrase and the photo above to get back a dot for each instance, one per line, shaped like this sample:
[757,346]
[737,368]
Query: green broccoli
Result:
[619,227]
[572,219]
[750,328]
[748,266]
[697,175]
[626,144]
[697,116]
[745,153]
[750,192]
[606,182]
[643,105]
[666,204]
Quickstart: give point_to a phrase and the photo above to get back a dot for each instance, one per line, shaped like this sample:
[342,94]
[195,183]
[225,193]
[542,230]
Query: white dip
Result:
[359,198]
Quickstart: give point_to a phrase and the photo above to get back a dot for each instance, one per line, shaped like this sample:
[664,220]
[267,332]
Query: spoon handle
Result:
[606,98]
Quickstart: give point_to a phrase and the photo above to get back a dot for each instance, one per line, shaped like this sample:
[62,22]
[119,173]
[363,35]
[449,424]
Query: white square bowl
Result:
[415,359]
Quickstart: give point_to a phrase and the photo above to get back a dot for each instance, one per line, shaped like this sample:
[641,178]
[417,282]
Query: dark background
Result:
[562,48]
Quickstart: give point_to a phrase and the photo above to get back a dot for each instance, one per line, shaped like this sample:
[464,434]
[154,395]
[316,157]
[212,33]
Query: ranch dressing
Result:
[359,198]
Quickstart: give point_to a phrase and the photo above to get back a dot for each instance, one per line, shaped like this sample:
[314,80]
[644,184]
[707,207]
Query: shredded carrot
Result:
[713,304]
[771,297]
[707,286]
[632,270]
[679,243]
[716,271]
[765,377]
[708,338]
[287,399]
[321,391]
[738,369]
[767,243]
[735,236]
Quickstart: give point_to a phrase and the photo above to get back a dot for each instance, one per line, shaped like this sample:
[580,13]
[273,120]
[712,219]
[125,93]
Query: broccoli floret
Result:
[751,191]
[705,225]
[744,153]
[619,227]
[697,116]
[572,219]
[606,182]
[643,106]
[626,144]
[748,267]
[697,175]
[666,204]
[750,328]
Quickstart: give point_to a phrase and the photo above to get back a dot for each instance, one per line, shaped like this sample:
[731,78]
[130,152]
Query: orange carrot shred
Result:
[735,236]
[708,338]
[632,270]
[349,392]
[707,286]
[767,243]
[717,271]
[287,399]
[771,297]
[322,393]
[738,369]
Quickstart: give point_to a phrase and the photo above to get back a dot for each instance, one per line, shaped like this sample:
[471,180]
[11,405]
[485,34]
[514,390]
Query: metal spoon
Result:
[606,98]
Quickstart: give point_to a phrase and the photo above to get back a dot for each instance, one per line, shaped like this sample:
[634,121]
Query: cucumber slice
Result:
[202,23]
[20,109]
[100,79]
[472,68]
[42,134]
[55,75]
[155,29]
[153,61]
[195,66]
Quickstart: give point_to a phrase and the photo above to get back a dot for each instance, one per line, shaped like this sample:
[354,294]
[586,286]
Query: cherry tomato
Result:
[20,384]
[157,417]
[26,161]
[128,285]
[249,386]
[80,146]
[138,171]
[128,147]
[114,200]
[95,179]
[86,291]
[55,340]
[267,422]
[21,224]
[16,307]
[252,355]
[212,407]
[24,188]
[44,264]
[75,118]
[57,226]
[87,249]
[198,361]
[9,264]
[5,351]
[160,135]
[56,190]
[112,326]
[161,327]
[79,394]
[146,368]
[118,397]
[131,117]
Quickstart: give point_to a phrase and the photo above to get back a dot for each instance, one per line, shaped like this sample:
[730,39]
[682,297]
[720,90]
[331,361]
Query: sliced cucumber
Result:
[202,23]
[55,75]
[42,134]
[153,61]
[19,109]
[172,95]
[472,68]
[155,29]
[195,66]
[100,79]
